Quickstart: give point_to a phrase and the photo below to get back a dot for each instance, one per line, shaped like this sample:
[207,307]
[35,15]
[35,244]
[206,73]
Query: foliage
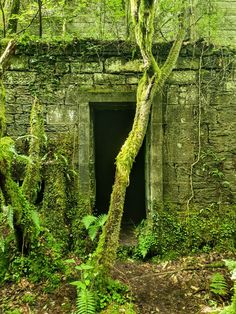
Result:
[93,224]
[85,302]
[171,235]
[218,284]
[231,309]
[95,292]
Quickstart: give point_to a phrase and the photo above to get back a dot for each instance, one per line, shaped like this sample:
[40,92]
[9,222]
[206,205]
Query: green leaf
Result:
[88,220]
[83,267]
[92,232]
[101,220]
[78,284]
[70,261]
[35,218]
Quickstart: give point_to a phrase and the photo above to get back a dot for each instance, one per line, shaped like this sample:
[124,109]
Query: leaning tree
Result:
[150,84]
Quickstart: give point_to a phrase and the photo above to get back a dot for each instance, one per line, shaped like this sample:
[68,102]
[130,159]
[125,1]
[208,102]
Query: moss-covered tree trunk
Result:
[33,176]
[153,79]
[13,20]
[3,62]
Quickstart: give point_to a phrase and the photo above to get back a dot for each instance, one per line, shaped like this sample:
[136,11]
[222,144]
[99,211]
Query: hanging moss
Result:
[33,175]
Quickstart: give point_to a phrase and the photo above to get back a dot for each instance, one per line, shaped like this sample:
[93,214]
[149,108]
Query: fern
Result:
[85,302]
[218,284]
[36,220]
[93,224]
[88,220]
[92,232]
[101,220]
[231,309]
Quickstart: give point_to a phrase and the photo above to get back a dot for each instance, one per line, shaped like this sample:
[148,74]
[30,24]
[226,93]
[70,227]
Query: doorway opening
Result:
[112,124]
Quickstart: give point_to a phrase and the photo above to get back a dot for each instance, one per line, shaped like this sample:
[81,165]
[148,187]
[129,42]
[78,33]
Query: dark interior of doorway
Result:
[112,123]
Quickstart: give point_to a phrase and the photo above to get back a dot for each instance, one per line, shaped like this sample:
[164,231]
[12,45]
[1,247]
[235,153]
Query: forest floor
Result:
[174,287]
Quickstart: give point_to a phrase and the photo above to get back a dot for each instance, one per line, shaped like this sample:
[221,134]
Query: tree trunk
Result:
[40,19]
[3,62]
[33,175]
[3,18]
[13,20]
[152,80]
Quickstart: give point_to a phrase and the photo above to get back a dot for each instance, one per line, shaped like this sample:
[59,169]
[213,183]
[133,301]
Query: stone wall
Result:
[190,145]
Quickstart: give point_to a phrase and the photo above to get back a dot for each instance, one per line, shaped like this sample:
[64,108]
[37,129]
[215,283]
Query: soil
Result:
[172,287]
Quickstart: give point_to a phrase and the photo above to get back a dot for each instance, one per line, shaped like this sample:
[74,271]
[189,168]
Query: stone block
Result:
[24,100]
[179,143]
[188,95]
[230,85]
[182,77]
[132,80]
[77,79]
[114,65]
[86,67]
[61,115]
[62,67]
[187,63]
[19,63]
[10,118]
[109,79]
[179,114]
[22,118]
[173,95]
[13,108]
[19,78]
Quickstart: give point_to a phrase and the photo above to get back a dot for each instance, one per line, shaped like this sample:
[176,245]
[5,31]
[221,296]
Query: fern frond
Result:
[101,220]
[92,232]
[10,214]
[218,284]
[85,302]
[36,220]
[2,244]
[88,220]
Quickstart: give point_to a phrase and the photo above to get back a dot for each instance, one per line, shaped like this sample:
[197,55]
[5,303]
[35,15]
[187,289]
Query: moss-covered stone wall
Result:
[191,144]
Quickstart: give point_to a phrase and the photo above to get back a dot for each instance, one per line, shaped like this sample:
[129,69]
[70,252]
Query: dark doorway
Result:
[112,123]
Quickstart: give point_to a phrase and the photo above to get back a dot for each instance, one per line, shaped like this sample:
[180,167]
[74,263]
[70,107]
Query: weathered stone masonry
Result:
[68,79]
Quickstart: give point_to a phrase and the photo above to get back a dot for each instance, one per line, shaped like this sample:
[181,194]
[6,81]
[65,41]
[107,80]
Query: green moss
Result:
[63,204]
[2,109]
[33,175]
[170,235]
[13,196]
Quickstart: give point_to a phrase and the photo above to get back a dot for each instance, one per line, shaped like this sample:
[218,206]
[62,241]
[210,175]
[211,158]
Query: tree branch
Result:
[176,47]
[7,53]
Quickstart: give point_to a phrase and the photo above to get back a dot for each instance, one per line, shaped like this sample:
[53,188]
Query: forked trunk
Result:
[152,80]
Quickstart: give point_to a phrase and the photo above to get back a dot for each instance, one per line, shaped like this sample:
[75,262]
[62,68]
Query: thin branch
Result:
[31,22]
[176,47]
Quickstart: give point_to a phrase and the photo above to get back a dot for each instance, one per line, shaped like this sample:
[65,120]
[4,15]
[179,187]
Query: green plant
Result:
[218,284]
[231,309]
[94,224]
[85,302]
